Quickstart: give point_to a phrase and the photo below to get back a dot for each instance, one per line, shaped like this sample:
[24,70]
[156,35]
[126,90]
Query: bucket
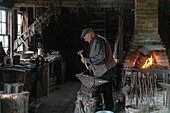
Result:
[16,60]
[104,111]
[13,88]
[16,88]
[7,88]
[40,51]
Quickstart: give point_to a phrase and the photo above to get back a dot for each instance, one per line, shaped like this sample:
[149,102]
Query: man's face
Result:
[88,37]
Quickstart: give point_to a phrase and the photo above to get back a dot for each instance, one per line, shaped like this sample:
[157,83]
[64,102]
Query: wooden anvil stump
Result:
[88,96]
[14,103]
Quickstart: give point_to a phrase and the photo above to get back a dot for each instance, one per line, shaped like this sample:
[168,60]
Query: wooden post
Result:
[120,35]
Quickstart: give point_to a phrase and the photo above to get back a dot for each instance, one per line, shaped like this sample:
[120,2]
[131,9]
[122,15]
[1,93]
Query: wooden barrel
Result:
[14,103]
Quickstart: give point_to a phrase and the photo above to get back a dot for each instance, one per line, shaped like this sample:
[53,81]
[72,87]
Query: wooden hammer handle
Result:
[84,63]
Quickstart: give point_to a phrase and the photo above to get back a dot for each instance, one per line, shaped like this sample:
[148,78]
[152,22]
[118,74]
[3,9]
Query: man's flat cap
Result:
[85,31]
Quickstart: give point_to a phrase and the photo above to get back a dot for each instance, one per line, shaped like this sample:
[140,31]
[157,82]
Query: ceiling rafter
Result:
[75,3]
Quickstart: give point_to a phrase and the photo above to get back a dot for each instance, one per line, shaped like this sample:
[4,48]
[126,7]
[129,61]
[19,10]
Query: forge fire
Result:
[148,62]
[152,60]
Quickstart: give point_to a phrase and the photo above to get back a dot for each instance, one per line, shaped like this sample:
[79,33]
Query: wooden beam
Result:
[74,3]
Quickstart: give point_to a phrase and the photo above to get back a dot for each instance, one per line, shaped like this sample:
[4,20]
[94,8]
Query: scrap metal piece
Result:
[90,81]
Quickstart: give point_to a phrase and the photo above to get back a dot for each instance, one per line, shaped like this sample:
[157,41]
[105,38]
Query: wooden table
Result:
[39,86]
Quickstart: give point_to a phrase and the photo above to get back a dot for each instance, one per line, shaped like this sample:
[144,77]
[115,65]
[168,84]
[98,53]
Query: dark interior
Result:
[62,30]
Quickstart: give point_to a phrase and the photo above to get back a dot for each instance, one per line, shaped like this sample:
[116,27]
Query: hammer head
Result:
[80,52]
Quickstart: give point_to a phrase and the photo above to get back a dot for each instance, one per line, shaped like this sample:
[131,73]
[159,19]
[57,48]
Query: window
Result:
[20,30]
[3,22]
[22,25]
[5,42]
[4,38]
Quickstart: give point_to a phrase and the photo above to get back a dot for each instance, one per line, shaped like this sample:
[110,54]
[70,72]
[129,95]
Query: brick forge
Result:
[146,38]
[140,85]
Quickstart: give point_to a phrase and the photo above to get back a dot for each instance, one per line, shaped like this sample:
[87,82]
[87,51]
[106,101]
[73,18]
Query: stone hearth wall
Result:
[146,22]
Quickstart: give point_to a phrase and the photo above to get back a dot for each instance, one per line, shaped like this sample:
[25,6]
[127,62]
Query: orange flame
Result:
[148,62]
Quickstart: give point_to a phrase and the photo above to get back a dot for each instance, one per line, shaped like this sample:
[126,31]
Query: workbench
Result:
[54,71]
[38,85]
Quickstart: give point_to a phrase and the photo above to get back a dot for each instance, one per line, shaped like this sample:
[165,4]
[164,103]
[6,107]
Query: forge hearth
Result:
[146,63]
[147,57]
[146,41]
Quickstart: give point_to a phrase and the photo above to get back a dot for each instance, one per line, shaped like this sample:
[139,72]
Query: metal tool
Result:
[80,53]
[167,87]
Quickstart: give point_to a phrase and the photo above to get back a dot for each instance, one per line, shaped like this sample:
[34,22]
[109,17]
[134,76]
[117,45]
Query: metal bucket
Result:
[40,51]
[13,88]
[17,88]
[104,111]
[7,88]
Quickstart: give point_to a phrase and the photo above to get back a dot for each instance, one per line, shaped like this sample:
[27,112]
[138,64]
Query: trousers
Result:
[106,90]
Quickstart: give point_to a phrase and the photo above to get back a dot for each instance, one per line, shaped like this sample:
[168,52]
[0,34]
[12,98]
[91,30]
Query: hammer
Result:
[80,53]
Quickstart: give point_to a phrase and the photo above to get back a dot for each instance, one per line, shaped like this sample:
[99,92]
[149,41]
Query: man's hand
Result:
[83,60]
